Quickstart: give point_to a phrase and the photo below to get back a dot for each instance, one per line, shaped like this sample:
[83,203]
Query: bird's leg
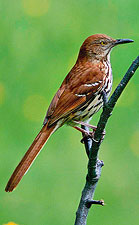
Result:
[82,130]
[86,124]
[87,134]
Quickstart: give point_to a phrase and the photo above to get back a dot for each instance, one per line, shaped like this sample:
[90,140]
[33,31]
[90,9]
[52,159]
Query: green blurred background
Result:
[39,43]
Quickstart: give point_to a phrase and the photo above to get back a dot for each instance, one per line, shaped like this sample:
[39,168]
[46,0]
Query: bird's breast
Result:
[93,106]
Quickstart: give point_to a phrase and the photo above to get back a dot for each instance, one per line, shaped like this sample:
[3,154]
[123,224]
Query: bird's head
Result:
[99,46]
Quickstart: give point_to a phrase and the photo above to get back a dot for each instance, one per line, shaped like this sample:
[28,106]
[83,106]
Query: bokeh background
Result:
[39,43]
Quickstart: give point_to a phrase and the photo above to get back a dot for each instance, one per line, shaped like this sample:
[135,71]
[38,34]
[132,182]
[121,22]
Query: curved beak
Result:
[122,41]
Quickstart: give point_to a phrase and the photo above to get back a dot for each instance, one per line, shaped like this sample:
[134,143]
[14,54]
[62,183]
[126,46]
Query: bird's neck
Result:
[94,58]
[102,58]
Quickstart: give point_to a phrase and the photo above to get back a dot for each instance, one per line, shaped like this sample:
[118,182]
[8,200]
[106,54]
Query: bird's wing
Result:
[54,103]
[74,93]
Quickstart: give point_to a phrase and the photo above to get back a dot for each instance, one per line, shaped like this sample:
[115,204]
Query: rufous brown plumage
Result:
[78,98]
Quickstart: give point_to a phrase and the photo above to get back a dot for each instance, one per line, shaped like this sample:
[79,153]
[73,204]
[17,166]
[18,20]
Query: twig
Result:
[92,148]
[94,202]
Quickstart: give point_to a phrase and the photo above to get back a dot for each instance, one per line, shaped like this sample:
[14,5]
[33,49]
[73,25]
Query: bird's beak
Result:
[122,41]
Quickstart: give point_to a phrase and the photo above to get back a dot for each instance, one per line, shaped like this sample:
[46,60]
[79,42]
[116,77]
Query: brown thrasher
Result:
[77,99]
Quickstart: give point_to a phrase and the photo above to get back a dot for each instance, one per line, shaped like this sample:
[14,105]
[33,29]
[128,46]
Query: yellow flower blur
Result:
[11,223]
[35,8]
[2,93]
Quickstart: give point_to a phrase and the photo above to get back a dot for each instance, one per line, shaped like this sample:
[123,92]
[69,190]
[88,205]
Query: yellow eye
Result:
[103,43]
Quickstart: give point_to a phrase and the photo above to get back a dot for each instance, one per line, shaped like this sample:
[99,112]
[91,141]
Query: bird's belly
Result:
[93,107]
[89,109]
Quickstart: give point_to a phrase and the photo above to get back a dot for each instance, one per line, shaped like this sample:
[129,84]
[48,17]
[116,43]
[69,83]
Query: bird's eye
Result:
[103,43]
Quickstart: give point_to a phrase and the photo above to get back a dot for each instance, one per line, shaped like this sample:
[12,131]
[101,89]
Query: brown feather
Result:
[79,97]
[68,101]
[29,157]
[54,102]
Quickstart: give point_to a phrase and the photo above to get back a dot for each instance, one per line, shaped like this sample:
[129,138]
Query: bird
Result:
[79,97]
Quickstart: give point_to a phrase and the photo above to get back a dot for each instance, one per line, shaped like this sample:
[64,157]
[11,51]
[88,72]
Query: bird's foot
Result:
[86,137]
[91,134]
[86,133]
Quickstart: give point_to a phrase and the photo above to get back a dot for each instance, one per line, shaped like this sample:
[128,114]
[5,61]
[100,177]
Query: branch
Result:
[92,148]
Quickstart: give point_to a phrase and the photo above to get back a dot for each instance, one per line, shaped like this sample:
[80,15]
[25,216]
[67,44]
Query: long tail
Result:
[29,157]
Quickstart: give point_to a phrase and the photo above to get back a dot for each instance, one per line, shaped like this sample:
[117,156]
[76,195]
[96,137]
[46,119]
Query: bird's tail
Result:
[29,157]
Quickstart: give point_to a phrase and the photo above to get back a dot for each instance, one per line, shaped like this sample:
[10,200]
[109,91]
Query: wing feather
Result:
[75,91]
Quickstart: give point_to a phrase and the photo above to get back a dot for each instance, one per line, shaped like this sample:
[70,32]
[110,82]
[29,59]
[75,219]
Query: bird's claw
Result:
[91,135]
[87,136]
